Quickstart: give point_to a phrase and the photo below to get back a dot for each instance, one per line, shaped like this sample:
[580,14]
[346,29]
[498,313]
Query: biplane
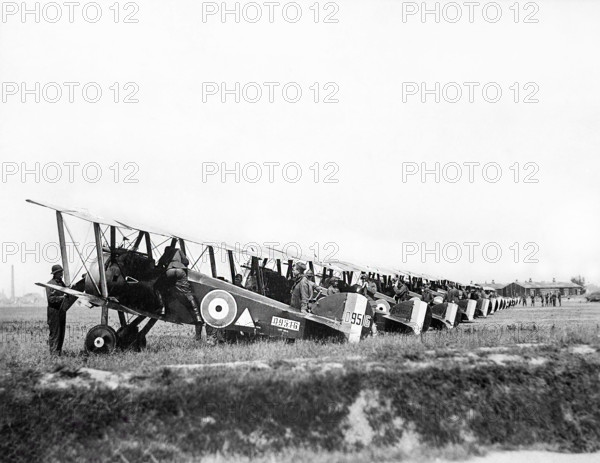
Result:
[405,317]
[410,316]
[124,277]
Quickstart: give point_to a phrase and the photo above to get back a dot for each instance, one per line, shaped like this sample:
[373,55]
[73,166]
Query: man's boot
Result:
[201,333]
[199,322]
[195,309]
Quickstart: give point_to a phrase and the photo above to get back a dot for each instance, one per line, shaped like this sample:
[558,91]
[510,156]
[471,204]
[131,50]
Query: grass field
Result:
[522,378]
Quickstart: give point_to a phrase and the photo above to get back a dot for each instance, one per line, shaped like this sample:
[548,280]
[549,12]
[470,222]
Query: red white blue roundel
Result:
[382,306]
[218,308]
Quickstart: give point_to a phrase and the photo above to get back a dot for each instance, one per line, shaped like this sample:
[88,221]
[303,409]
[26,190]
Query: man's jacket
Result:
[179,260]
[453,295]
[400,290]
[301,293]
[55,297]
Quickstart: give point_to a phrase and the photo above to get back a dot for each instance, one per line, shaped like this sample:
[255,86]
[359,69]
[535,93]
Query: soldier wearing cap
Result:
[426,294]
[333,287]
[57,317]
[301,288]
[453,293]
[400,289]
[238,280]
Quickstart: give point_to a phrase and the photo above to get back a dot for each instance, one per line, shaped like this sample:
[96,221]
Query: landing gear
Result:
[132,338]
[101,339]
[129,338]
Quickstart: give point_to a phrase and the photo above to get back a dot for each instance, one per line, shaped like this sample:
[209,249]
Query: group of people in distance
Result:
[548,299]
[304,289]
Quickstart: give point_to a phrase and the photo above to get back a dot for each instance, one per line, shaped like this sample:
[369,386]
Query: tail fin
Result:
[471,305]
[355,316]
[485,306]
[451,312]
[418,314]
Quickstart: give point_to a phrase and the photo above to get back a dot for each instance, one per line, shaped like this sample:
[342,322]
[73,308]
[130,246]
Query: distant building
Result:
[497,287]
[31,299]
[538,288]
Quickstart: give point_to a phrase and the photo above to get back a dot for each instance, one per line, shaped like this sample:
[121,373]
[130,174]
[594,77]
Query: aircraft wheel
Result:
[101,339]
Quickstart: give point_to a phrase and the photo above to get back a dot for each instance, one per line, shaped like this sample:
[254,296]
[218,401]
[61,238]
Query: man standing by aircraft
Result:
[301,288]
[57,318]
[426,294]
[176,264]
[400,290]
[453,294]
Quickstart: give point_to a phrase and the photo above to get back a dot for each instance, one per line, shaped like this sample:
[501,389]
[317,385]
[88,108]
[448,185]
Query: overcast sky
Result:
[378,128]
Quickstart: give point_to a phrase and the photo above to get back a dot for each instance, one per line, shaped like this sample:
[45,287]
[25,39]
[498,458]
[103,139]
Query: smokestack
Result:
[553,280]
[12,283]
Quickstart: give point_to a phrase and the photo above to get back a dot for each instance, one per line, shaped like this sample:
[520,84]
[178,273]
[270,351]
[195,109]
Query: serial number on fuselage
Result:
[285,323]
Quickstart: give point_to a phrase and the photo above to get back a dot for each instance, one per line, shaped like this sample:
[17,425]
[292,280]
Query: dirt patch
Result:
[86,378]
[502,359]
[204,366]
[359,430]
[583,350]
[535,457]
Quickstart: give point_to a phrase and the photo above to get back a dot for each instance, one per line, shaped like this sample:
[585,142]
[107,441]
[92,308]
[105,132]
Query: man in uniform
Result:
[371,288]
[453,294]
[301,289]
[474,294]
[426,294]
[400,289]
[333,287]
[176,264]
[238,280]
[57,317]
[310,275]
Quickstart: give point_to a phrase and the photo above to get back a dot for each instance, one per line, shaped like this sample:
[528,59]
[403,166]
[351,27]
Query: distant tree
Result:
[578,280]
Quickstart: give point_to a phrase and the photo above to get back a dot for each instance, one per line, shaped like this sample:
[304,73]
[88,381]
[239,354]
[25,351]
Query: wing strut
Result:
[83,259]
[137,242]
[148,245]
[63,248]
[231,265]
[101,271]
[213,263]
[113,242]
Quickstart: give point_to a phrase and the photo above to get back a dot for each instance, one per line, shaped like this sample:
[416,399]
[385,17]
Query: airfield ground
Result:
[522,379]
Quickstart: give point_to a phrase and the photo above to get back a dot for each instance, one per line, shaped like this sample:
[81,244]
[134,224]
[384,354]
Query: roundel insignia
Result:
[382,306]
[218,308]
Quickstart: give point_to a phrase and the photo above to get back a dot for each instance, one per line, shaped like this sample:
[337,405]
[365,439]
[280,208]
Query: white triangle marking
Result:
[245,320]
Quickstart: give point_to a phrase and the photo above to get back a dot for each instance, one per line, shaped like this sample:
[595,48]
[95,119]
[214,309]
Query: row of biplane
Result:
[122,274]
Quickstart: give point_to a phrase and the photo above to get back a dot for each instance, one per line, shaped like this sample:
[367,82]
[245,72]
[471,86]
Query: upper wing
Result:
[79,213]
